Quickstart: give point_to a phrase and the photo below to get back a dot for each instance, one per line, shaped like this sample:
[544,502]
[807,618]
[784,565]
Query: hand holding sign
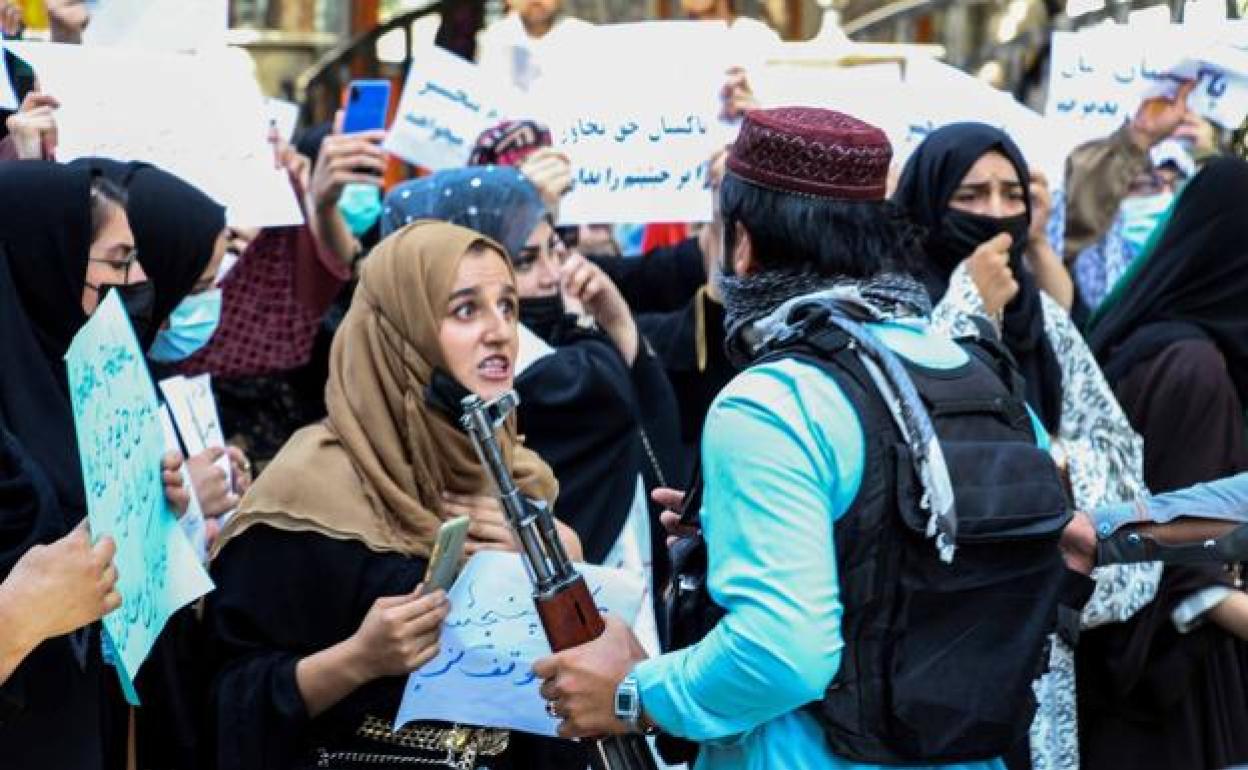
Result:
[1159,117]
[33,127]
[490,639]
[551,173]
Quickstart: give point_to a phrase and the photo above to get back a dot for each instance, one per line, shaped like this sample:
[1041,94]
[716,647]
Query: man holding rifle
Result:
[888,543]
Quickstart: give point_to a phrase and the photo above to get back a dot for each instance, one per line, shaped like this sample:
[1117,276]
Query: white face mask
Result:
[191,325]
[1141,215]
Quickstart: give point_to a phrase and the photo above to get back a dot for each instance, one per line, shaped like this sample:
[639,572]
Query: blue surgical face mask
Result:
[191,325]
[1141,215]
[360,206]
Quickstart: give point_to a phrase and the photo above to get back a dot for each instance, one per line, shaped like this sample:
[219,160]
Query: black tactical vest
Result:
[938,658]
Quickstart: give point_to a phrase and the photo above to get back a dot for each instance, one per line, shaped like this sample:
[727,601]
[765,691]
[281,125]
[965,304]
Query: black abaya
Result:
[45,237]
[1172,341]
[282,596]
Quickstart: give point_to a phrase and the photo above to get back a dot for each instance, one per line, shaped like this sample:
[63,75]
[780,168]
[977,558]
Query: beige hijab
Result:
[375,469]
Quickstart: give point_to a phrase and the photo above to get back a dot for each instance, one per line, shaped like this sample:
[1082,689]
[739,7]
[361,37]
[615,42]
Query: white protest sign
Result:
[783,84]
[192,522]
[283,115]
[165,25]
[641,138]
[1099,76]
[194,412]
[446,104]
[483,673]
[938,94]
[199,117]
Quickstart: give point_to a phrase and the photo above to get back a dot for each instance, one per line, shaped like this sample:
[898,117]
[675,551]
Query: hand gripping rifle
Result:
[567,609]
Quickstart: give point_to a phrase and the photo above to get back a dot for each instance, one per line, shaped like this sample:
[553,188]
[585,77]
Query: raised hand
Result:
[1158,118]
[33,127]
[990,268]
[585,283]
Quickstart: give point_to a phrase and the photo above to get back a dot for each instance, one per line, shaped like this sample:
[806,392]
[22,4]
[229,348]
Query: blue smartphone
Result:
[368,102]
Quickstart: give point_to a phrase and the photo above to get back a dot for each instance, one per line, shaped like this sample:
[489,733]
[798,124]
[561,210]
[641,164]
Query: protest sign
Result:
[483,672]
[284,116]
[829,86]
[641,138]
[445,105]
[166,25]
[1099,76]
[199,117]
[192,522]
[120,444]
[194,412]
[964,98]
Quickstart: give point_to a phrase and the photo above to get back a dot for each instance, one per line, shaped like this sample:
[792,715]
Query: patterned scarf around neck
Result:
[769,307]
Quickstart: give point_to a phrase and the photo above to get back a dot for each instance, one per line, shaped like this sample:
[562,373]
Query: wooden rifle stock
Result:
[570,616]
[567,609]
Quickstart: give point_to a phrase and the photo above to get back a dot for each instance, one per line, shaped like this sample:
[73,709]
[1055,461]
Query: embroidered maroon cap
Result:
[812,152]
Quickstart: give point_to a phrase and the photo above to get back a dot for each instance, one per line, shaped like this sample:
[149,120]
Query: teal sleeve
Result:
[1043,440]
[782,457]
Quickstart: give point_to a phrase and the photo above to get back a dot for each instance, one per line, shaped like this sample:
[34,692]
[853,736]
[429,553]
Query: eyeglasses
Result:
[119,263]
[1155,183]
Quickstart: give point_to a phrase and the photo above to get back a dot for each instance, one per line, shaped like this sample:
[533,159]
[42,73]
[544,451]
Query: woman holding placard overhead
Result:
[318,615]
[65,242]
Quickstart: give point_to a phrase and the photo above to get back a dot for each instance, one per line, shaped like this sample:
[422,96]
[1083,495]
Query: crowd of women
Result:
[1123,298]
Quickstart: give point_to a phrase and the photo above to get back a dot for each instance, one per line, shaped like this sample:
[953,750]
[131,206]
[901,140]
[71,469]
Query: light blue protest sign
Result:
[120,444]
[483,673]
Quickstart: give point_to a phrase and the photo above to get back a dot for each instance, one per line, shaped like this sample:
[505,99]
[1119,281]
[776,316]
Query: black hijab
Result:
[175,229]
[928,182]
[45,238]
[1192,284]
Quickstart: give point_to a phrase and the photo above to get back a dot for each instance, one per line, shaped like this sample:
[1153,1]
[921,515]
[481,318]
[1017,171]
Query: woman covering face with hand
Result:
[969,185]
[318,614]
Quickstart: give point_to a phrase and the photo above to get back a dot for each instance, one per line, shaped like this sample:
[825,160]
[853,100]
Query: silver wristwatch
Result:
[628,705]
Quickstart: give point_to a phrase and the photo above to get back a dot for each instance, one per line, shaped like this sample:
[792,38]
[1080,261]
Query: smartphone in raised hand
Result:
[448,550]
[367,104]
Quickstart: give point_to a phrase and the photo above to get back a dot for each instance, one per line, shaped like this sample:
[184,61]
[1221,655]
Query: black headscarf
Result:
[45,238]
[1192,284]
[175,229]
[928,182]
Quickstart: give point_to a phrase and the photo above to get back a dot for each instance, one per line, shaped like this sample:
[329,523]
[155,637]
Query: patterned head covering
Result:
[500,203]
[812,152]
[509,143]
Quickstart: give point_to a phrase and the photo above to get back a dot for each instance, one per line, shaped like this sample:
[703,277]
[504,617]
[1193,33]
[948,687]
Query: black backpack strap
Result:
[988,347]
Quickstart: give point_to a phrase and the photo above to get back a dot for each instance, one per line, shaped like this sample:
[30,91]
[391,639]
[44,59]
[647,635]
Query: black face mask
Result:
[542,315]
[961,233]
[140,302]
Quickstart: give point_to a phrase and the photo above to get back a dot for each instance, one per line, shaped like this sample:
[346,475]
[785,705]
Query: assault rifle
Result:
[566,608]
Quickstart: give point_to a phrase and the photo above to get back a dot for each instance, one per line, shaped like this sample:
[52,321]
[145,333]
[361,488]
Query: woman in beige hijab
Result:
[317,616]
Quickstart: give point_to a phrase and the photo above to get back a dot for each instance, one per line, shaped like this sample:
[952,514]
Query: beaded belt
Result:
[462,745]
